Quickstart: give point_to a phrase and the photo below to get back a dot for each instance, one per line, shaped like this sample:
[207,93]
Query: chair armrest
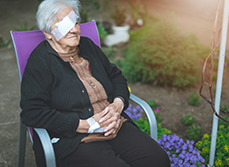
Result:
[149,113]
[47,147]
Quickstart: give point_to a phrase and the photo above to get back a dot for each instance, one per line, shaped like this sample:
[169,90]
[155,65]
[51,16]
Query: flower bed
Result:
[185,153]
[222,146]
[181,153]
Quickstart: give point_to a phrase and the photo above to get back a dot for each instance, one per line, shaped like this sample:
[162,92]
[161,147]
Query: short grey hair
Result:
[47,10]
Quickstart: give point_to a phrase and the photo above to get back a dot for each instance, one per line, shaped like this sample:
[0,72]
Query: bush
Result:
[152,103]
[102,32]
[22,27]
[160,54]
[226,61]
[222,145]
[110,53]
[194,99]
[135,113]
[193,132]
[162,131]
[224,107]
[158,116]
[188,119]
[143,124]
[4,43]
[181,153]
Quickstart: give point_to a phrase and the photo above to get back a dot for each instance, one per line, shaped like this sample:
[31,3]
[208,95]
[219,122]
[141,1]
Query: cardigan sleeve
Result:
[36,88]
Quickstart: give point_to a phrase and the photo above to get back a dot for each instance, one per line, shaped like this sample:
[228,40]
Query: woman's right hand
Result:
[84,126]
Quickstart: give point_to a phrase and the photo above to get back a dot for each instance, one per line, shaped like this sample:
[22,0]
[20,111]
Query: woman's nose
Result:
[74,29]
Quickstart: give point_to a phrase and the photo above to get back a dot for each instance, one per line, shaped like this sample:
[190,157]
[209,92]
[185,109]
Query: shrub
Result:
[160,54]
[194,99]
[135,113]
[4,43]
[158,116]
[193,132]
[102,32]
[22,27]
[110,52]
[119,16]
[188,119]
[222,145]
[226,61]
[84,16]
[152,103]
[162,131]
[143,124]
[181,153]
[224,107]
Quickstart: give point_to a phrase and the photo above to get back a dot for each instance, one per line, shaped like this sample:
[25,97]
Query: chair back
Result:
[25,42]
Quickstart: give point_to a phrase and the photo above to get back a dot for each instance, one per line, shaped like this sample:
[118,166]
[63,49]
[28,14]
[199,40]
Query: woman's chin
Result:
[74,41]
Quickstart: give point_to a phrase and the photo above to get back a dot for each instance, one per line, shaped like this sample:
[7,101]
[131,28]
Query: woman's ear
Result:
[47,35]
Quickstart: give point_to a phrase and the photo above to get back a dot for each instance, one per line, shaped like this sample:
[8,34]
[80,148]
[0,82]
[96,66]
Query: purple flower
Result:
[184,147]
[134,112]
[177,151]
[167,145]
[216,54]
[190,148]
[175,160]
[180,161]
[180,153]
[182,156]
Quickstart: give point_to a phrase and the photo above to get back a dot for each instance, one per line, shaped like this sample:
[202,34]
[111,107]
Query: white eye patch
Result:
[65,25]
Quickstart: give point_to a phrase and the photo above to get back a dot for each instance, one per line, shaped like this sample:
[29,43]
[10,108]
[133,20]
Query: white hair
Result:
[47,10]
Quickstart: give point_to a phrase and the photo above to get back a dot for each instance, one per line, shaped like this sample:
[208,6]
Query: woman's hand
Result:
[111,116]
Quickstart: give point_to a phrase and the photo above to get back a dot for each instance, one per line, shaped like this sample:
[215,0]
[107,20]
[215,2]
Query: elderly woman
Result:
[70,88]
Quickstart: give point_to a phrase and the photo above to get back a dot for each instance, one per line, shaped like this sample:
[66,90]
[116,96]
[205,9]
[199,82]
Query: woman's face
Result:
[71,39]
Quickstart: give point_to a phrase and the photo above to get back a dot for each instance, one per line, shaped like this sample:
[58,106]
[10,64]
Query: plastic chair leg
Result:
[21,144]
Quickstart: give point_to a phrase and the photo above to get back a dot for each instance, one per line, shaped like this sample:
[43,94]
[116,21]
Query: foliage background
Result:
[159,53]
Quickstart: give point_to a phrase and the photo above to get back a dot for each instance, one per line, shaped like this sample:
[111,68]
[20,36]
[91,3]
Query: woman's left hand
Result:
[111,118]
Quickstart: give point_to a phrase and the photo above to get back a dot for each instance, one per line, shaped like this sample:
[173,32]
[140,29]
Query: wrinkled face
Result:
[72,38]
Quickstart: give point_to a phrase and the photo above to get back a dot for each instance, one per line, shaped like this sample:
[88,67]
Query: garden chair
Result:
[24,43]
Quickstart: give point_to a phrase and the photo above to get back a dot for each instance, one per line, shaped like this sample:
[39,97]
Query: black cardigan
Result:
[54,98]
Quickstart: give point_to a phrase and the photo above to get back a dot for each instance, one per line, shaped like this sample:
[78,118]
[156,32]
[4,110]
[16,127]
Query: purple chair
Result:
[24,43]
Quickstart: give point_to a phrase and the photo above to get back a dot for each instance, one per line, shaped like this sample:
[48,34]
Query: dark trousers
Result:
[131,148]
